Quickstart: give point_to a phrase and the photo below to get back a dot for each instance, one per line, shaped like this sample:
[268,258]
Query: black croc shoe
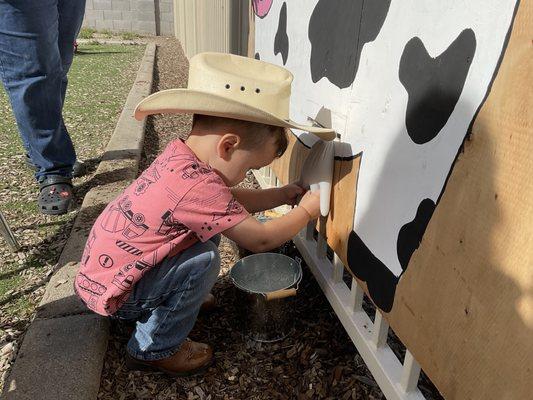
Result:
[55,195]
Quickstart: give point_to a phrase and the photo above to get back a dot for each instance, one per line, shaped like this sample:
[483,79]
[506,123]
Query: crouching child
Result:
[152,255]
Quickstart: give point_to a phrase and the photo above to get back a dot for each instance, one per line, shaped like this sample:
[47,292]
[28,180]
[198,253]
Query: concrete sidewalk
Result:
[63,350]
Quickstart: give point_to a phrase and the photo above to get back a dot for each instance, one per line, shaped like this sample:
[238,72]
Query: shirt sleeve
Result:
[209,208]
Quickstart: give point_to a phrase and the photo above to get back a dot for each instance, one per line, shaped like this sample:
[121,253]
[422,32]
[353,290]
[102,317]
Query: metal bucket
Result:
[266,285]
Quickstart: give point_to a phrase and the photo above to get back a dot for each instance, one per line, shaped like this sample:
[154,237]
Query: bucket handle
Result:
[280,294]
[283,293]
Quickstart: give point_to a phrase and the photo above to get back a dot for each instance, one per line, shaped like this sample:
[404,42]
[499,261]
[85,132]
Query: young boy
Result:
[151,256]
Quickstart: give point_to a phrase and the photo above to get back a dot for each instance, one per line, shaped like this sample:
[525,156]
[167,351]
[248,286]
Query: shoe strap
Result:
[54,180]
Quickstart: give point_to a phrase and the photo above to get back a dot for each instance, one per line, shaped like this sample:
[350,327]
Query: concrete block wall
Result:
[148,17]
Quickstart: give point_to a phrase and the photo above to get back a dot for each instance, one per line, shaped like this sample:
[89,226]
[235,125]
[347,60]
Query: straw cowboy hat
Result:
[226,85]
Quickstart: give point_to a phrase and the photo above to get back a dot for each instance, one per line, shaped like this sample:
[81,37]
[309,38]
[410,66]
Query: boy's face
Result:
[234,162]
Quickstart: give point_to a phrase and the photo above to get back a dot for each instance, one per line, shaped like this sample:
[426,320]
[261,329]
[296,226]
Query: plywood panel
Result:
[287,168]
[464,307]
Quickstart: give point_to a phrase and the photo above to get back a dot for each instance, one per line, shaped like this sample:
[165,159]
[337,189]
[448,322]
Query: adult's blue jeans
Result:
[36,50]
[166,301]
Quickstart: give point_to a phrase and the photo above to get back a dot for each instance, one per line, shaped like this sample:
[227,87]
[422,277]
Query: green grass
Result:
[86,33]
[99,82]
[129,35]
[106,33]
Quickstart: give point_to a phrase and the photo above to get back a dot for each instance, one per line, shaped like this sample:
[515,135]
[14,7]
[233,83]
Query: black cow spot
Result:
[338,30]
[380,281]
[434,84]
[281,41]
[257,56]
[410,234]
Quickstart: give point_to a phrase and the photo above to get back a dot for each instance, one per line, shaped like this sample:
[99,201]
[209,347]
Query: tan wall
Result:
[212,25]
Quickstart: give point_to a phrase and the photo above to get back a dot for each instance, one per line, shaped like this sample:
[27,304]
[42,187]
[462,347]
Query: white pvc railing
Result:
[396,380]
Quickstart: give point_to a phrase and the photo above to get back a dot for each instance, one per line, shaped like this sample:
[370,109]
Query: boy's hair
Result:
[253,134]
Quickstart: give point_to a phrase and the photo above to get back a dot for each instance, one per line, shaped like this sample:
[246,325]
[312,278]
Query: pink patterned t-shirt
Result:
[176,201]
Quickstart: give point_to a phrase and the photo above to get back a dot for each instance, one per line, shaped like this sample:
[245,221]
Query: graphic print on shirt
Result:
[149,176]
[128,248]
[156,217]
[92,288]
[124,278]
[87,251]
[116,302]
[232,208]
[192,169]
[194,200]
[105,261]
[121,218]
[171,227]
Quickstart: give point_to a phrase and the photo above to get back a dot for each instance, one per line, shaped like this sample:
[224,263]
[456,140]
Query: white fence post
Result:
[410,373]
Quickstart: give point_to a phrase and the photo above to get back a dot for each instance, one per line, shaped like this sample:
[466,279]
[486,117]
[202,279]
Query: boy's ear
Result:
[227,144]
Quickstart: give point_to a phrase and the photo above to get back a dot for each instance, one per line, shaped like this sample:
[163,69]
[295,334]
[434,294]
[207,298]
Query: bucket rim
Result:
[296,282]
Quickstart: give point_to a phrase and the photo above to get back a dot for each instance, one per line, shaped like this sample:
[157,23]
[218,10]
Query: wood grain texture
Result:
[464,307]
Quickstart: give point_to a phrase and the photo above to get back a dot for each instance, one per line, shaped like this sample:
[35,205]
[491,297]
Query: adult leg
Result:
[32,73]
[166,301]
[70,19]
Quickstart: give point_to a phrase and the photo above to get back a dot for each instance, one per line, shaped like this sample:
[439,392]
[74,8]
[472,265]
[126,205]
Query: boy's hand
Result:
[311,203]
[291,192]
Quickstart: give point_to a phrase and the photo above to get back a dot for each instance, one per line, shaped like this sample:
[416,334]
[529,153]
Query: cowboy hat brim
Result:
[198,102]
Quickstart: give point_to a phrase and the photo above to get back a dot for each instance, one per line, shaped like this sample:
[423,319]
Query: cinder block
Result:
[146,16]
[167,17]
[112,14]
[89,23]
[143,5]
[129,15]
[121,5]
[104,24]
[147,27]
[60,358]
[167,28]
[94,14]
[60,298]
[165,7]
[89,4]
[102,5]
[122,25]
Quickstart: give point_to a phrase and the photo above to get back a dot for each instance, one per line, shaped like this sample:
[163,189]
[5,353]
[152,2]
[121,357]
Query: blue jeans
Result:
[166,301]
[36,50]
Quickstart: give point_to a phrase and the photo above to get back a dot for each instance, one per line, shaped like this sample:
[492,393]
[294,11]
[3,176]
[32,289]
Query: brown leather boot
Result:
[190,359]
[209,303]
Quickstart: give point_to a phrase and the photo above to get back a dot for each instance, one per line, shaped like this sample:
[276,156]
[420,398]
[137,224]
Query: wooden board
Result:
[464,307]
[339,222]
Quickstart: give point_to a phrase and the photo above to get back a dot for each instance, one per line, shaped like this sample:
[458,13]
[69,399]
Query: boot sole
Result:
[138,365]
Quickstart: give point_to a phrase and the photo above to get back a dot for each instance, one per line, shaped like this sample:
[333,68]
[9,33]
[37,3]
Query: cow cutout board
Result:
[418,86]
[401,83]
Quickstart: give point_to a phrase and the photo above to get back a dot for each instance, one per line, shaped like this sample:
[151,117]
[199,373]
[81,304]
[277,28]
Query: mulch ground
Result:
[317,361]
